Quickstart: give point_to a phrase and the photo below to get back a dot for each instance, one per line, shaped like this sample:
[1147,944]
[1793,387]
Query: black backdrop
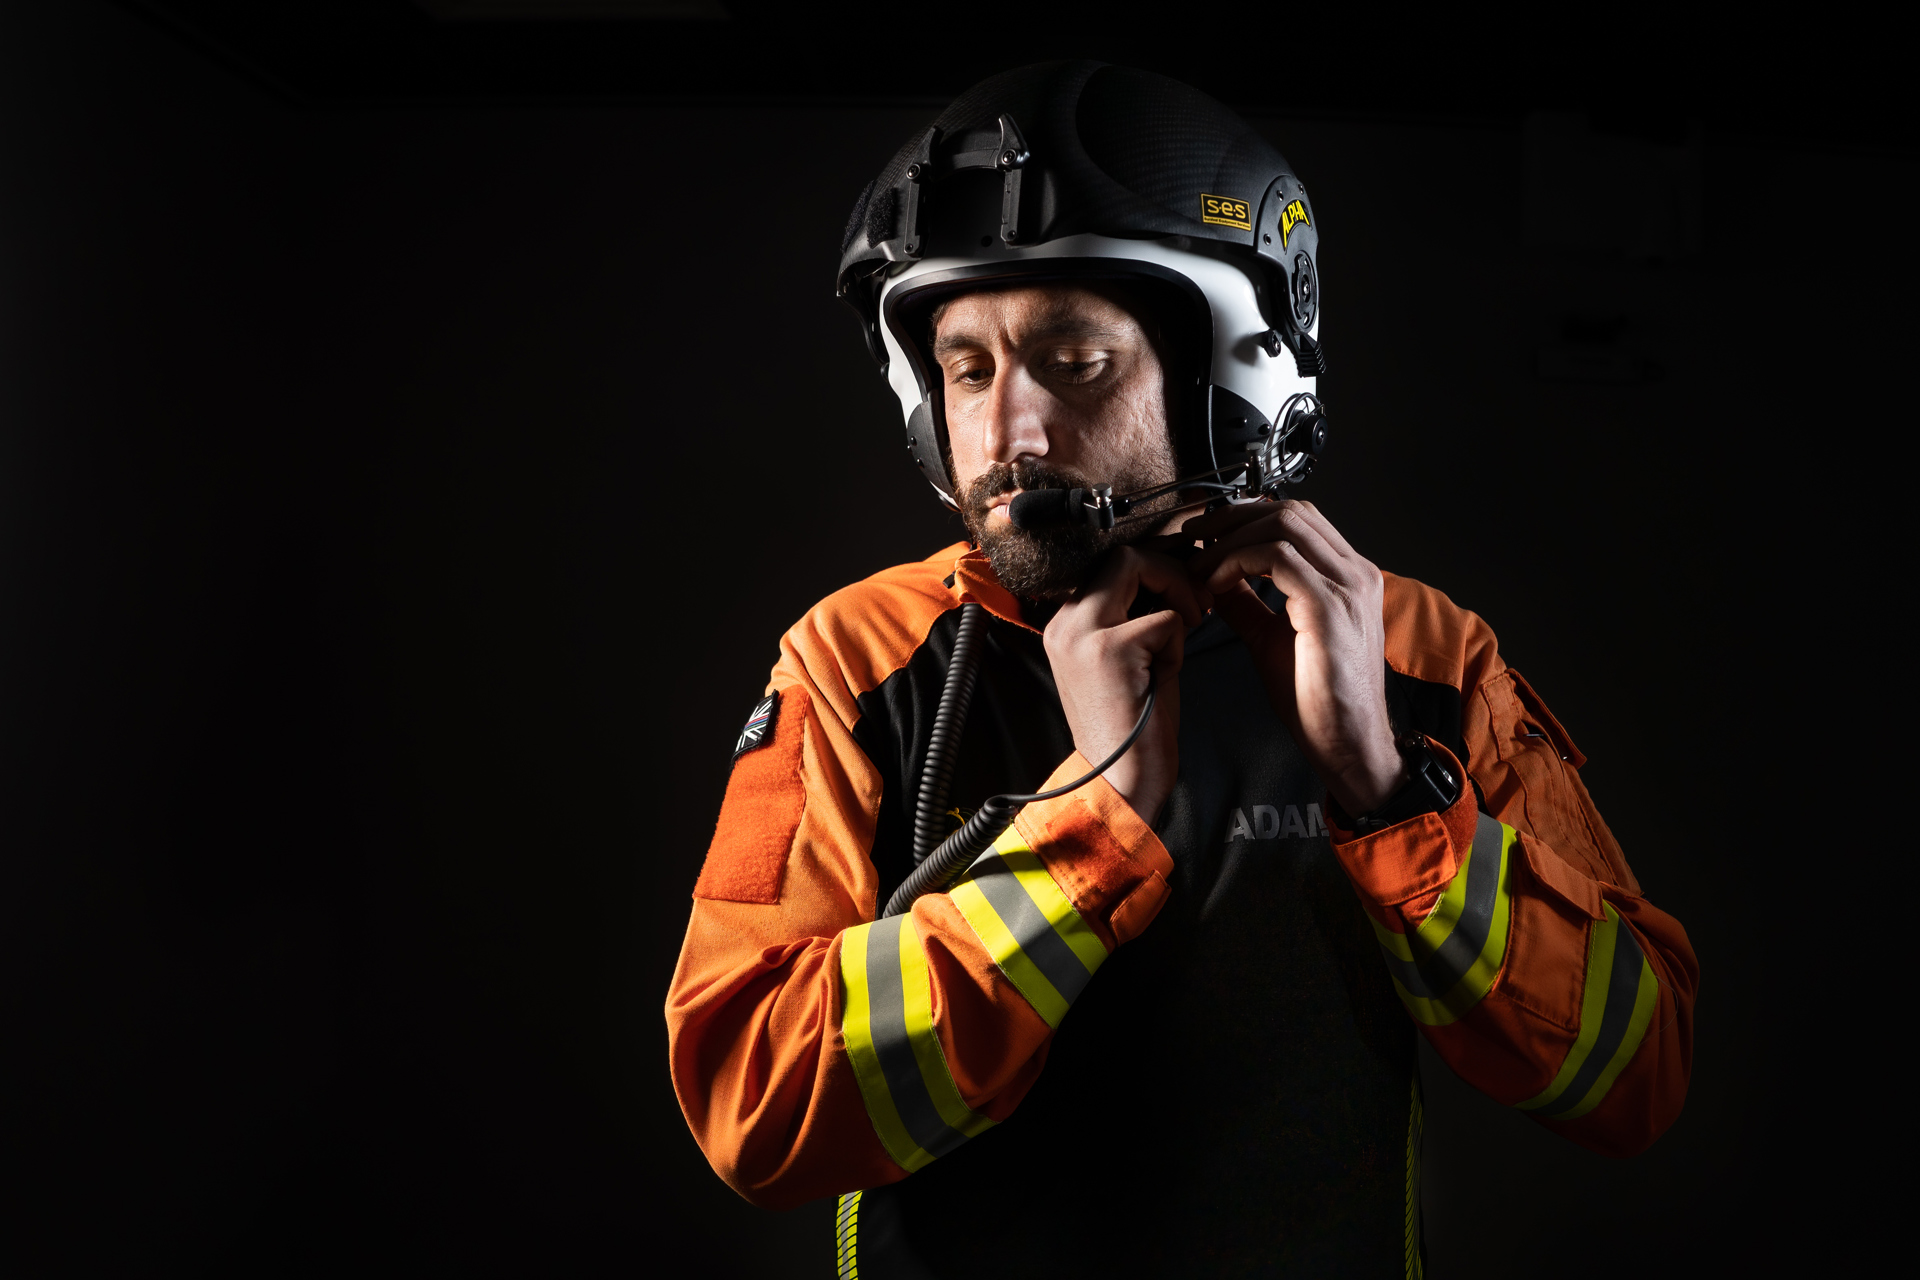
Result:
[402,506]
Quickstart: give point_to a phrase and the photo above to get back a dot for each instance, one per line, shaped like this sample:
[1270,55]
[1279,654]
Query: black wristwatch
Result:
[1431,788]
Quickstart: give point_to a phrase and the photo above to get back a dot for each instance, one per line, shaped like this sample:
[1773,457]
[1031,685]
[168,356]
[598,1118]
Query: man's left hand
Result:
[1324,660]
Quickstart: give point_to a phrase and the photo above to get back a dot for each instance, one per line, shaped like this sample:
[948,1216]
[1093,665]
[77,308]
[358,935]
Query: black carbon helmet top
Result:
[1044,171]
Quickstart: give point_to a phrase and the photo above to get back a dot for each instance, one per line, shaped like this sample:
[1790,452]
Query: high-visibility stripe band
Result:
[1454,945]
[916,1109]
[1448,964]
[1028,978]
[856,1031]
[1416,1124]
[1646,999]
[1030,928]
[1615,1009]
[847,1237]
[1052,900]
[956,1122]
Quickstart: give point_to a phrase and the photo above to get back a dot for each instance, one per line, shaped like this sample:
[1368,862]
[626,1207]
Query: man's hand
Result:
[1103,663]
[1324,659]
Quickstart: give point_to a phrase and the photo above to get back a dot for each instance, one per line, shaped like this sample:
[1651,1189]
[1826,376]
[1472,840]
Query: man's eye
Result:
[972,377]
[1075,370]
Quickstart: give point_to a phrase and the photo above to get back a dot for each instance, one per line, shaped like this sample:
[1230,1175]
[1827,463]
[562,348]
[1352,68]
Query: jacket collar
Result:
[973,582]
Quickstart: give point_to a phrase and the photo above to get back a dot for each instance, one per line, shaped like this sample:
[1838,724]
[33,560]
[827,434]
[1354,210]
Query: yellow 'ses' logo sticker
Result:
[1290,217]
[1223,212]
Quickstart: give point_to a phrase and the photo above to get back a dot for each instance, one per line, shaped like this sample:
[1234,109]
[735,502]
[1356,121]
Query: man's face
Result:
[1051,386]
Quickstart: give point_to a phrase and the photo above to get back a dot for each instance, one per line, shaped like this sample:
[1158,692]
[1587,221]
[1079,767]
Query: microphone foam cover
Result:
[1038,508]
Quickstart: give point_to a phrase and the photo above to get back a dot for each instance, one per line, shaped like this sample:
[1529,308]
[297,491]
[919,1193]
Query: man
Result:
[1344,820]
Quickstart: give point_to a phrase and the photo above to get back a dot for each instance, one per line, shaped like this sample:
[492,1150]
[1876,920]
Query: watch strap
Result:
[1431,787]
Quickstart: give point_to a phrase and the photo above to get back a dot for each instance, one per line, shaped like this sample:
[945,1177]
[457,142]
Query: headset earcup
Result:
[923,445]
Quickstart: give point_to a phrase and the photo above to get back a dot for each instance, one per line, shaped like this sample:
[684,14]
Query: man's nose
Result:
[1016,424]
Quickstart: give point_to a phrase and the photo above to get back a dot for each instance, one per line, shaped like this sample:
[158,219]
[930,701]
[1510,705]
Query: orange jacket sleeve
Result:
[816,1050]
[1516,934]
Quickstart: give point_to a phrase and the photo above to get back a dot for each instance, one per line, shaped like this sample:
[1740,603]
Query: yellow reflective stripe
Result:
[1425,1010]
[1059,910]
[846,1237]
[1395,943]
[1448,964]
[1026,922]
[1617,1004]
[918,992]
[856,1031]
[1052,900]
[1593,1002]
[1416,1124]
[1000,943]
[1645,1000]
[1439,927]
[1430,1013]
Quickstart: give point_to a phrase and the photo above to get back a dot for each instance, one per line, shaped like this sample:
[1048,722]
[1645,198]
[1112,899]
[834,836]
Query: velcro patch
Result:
[759,730]
[761,812]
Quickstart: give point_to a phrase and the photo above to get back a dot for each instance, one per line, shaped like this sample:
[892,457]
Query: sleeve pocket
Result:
[1566,883]
[1543,720]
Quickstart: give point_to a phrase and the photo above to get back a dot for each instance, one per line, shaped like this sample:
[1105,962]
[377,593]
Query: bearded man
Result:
[1165,1024]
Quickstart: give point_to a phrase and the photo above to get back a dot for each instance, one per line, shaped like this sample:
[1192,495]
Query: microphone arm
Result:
[1282,457]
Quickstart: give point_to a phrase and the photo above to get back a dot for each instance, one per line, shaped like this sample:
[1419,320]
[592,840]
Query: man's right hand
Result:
[1103,663]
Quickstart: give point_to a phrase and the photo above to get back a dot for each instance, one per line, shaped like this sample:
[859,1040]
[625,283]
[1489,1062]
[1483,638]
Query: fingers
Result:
[1280,561]
[1156,634]
[1122,575]
[1325,528]
[1290,523]
[1224,520]
[1285,526]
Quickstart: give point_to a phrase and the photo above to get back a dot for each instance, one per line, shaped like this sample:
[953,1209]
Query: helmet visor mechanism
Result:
[1232,281]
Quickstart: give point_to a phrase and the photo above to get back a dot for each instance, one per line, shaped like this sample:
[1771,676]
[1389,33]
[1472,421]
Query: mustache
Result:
[1027,474]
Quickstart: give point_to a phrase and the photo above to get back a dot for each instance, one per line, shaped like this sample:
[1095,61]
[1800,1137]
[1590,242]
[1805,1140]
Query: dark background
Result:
[415,435]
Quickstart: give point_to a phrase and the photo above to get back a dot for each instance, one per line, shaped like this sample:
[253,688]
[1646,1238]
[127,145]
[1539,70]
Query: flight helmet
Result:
[1080,171]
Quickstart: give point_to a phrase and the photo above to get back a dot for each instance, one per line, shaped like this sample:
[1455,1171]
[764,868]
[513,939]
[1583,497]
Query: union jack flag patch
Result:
[759,730]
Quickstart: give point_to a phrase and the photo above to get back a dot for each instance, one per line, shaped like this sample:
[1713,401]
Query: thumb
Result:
[1167,660]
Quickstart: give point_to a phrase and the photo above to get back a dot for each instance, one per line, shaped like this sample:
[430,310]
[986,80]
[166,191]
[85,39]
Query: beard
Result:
[1048,563]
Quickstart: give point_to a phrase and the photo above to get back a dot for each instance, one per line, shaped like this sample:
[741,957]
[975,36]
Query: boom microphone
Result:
[1279,458]
[1039,508]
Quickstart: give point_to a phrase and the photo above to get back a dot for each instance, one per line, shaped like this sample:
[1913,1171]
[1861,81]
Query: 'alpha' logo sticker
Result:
[1295,214]
[1224,212]
[759,730]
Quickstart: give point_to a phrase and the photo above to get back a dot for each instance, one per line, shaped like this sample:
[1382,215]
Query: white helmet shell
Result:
[1246,359]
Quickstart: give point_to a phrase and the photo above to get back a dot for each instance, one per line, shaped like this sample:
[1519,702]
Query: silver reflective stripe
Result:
[1031,929]
[1623,990]
[1408,972]
[1439,973]
[887,1001]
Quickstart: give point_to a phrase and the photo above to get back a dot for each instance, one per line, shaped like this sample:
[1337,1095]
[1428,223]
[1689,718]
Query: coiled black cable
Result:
[943,745]
[978,833]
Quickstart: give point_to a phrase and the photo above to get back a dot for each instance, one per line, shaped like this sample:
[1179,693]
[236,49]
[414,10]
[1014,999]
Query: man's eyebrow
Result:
[1053,328]
[948,343]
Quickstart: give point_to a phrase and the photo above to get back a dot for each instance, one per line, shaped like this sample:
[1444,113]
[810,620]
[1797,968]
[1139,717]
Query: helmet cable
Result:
[943,744]
[978,833]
